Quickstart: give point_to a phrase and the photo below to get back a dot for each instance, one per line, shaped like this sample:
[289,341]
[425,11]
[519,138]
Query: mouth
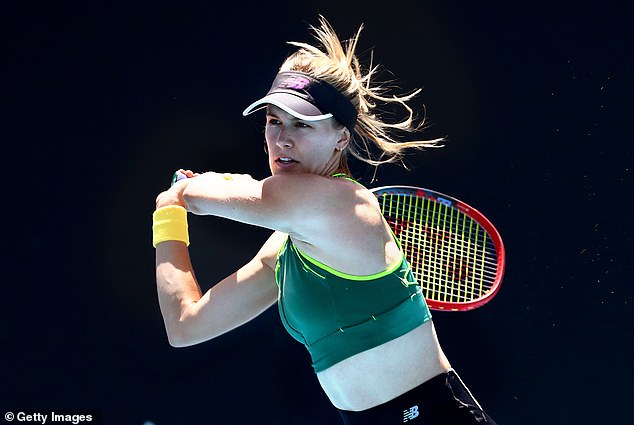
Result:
[284,160]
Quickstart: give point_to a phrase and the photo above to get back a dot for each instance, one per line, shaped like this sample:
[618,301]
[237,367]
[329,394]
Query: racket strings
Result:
[411,238]
[451,255]
[448,256]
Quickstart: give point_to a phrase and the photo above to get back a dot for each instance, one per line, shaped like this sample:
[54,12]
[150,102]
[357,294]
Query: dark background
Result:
[103,100]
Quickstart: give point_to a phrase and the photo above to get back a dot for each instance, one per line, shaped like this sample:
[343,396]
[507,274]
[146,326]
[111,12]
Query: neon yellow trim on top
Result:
[345,177]
[343,275]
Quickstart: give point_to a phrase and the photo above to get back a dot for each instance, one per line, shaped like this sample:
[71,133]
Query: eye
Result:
[301,124]
[272,121]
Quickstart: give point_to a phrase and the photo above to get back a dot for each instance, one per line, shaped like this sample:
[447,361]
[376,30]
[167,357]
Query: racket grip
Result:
[177,176]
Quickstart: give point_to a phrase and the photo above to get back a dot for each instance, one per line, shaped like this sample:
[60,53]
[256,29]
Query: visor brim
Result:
[291,104]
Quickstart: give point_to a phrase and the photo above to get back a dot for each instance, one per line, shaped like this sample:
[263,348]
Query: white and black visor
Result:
[307,98]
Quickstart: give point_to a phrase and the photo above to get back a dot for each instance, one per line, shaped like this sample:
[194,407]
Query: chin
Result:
[277,170]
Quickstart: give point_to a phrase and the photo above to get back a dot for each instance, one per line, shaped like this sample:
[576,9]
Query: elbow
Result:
[184,336]
[176,343]
[178,339]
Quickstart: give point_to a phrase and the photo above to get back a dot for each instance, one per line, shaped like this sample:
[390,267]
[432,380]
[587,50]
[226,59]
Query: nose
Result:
[284,139]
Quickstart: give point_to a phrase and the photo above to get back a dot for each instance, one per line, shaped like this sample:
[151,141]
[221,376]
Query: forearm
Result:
[176,285]
[277,202]
[226,195]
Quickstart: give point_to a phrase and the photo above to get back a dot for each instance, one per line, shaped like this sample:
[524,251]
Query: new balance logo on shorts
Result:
[409,414]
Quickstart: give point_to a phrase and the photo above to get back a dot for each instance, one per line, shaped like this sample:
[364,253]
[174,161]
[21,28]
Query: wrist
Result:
[172,196]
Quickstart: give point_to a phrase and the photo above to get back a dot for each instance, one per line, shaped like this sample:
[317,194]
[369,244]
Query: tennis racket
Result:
[456,254]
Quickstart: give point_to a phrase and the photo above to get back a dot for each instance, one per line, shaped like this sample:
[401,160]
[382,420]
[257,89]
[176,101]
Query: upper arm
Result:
[233,301]
[294,204]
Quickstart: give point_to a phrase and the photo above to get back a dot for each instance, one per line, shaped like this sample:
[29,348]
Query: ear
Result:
[344,139]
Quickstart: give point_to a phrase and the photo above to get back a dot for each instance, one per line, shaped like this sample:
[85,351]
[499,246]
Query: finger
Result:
[179,175]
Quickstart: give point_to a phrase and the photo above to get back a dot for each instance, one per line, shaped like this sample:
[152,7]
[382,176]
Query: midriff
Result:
[382,373]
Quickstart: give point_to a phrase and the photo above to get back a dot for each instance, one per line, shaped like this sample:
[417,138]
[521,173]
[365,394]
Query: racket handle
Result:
[177,176]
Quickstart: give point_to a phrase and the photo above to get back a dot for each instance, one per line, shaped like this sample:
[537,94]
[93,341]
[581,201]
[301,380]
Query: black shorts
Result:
[443,400]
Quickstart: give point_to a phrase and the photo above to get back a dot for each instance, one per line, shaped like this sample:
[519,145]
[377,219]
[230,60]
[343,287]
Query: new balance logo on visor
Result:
[295,82]
[409,414]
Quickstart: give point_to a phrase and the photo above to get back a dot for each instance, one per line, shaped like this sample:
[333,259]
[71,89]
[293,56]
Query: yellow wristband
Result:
[169,224]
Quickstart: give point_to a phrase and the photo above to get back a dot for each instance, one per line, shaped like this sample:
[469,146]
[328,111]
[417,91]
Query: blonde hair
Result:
[338,65]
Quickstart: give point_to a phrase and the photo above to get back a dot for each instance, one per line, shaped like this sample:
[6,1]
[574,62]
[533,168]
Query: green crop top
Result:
[337,315]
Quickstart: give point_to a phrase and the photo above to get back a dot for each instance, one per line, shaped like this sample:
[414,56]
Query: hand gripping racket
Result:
[455,252]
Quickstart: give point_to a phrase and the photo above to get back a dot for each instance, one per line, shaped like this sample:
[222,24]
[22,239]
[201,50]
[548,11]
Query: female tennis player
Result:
[332,264]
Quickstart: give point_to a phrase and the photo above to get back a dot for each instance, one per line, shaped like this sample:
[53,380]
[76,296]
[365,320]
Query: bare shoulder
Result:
[335,221]
[339,222]
[312,188]
[313,203]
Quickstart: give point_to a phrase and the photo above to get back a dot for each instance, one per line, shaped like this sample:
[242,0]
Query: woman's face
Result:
[298,146]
